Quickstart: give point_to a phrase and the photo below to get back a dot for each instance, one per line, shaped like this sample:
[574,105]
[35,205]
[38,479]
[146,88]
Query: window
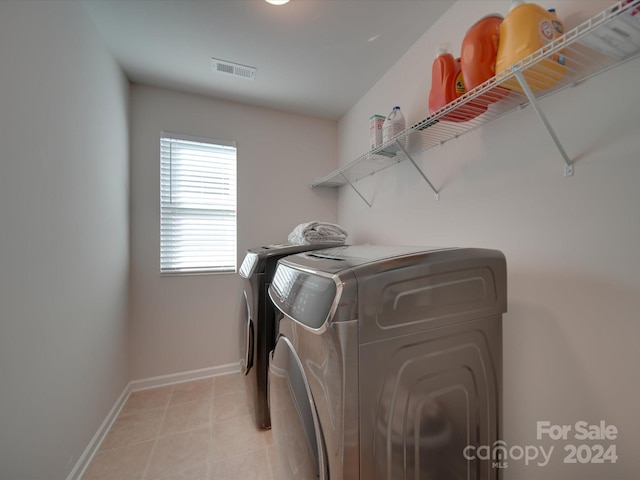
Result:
[197,205]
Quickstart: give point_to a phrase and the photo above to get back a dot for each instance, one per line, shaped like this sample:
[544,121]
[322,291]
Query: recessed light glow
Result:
[277,2]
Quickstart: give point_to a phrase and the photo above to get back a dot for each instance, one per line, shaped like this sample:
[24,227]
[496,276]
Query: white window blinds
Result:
[198,205]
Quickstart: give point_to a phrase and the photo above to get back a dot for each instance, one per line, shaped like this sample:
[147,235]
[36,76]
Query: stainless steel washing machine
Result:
[388,362]
[257,323]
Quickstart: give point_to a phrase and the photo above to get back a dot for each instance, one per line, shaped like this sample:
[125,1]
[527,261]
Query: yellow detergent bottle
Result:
[527,28]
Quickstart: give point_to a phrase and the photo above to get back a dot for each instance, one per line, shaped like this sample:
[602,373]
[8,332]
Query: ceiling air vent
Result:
[235,69]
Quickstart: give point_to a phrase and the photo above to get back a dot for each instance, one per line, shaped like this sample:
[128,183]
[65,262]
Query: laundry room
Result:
[504,217]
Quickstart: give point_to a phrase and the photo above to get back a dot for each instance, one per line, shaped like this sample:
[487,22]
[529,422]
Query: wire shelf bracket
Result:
[568,164]
[422,174]
[356,190]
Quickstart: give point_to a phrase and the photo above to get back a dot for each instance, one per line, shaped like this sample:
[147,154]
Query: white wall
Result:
[63,236]
[182,323]
[571,333]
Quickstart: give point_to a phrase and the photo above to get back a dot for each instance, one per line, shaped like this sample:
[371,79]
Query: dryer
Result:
[388,362]
[257,322]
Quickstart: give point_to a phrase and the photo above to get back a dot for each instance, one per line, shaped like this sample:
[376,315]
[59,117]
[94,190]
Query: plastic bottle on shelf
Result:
[447,84]
[393,124]
[443,78]
[527,28]
[479,50]
[478,56]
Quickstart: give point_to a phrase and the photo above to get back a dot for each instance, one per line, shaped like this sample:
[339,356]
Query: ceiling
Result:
[313,57]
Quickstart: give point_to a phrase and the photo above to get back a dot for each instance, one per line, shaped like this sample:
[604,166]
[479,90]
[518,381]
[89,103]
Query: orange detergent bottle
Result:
[478,56]
[527,28]
[447,84]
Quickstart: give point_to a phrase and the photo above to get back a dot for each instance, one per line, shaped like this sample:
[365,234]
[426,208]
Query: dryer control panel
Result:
[306,298]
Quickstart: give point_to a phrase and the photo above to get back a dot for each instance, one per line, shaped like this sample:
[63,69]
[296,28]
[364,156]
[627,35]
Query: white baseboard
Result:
[89,452]
[133,386]
[173,378]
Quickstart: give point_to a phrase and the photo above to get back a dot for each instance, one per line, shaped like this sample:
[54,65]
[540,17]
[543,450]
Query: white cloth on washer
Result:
[313,233]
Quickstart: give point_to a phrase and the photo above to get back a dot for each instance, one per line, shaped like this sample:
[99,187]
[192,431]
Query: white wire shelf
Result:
[606,40]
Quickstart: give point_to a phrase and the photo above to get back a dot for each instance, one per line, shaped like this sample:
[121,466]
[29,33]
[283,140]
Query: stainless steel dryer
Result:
[388,362]
[258,331]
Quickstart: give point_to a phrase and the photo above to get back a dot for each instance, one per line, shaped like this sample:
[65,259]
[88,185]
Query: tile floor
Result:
[199,430]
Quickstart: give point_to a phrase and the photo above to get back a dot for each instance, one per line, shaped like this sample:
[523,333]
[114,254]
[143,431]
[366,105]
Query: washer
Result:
[258,331]
[388,362]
